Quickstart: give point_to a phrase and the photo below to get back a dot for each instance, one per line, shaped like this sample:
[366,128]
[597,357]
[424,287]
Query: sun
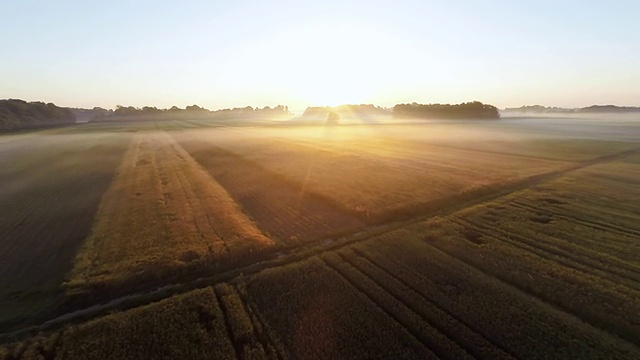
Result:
[326,64]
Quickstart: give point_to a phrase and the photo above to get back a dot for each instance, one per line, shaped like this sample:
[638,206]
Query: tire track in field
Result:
[540,248]
[461,285]
[237,348]
[263,332]
[303,252]
[461,332]
[570,217]
[555,304]
[428,343]
[245,331]
[622,246]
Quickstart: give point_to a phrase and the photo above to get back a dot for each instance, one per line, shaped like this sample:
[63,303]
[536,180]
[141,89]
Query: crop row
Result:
[507,316]
[448,324]
[315,312]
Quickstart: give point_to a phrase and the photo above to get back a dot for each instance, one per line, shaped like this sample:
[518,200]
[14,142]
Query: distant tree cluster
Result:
[333,118]
[95,114]
[539,109]
[345,110]
[197,111]
[152,110]
[19,114]
[609,109]
[248,111]
[468,110]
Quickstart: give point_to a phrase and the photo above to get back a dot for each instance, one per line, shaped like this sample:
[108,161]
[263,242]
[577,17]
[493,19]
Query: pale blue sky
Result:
[234,53]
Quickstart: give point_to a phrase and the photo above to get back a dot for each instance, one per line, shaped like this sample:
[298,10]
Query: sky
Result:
[224,54]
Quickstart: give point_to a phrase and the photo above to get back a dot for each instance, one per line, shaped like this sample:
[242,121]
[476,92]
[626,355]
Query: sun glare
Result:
[325,64]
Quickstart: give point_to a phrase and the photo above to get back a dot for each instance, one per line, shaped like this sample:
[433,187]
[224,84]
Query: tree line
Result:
[18,114]
[197,111]
[468,110]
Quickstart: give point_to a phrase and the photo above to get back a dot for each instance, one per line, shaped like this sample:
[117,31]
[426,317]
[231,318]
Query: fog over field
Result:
[267,232]
[336,179]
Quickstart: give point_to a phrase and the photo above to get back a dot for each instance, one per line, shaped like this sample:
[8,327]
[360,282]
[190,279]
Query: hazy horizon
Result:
[224,55]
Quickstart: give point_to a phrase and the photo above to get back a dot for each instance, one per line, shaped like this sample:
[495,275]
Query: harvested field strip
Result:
[429,336]
[324,317]
[281,209]
[516,321]
[161,213]
[563,286]
[448,324]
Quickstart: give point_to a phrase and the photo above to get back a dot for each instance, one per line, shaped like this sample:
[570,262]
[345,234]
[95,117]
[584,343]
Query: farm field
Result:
[50,189]
[180,218]
[450,241]
[375,179]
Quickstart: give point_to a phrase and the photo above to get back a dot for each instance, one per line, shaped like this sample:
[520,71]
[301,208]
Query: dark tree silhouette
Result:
[469,110]
[19,114]
[333,118]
